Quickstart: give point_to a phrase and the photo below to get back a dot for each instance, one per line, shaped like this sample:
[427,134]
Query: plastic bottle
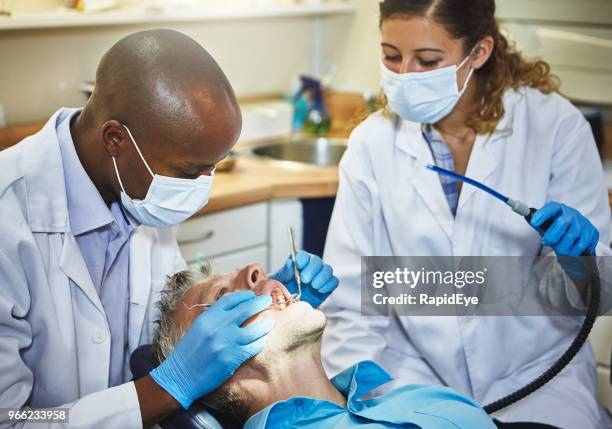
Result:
[318,121]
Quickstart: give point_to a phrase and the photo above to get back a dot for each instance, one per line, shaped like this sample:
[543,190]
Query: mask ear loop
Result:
[141,157]
[467,80]
[460,66]
[138,150]
[470,74]
[118,176]
[191,307]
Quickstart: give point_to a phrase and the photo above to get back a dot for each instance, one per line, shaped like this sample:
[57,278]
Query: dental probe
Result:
[296,296]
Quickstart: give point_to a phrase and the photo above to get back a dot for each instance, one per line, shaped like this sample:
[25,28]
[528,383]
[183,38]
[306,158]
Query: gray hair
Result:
[231,405]
[170,332]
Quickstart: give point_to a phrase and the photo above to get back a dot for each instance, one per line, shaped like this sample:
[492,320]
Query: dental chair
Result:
[197,416]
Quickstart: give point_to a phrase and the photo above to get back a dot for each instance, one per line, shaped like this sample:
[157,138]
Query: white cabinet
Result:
[601,340]
[604,390]
[574,11]
[231,261]
[233,238]
[575,37]
[266,119]
[284,214]
[226,237]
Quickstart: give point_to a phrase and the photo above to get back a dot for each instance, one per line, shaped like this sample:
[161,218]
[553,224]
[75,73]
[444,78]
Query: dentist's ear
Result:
[482,52]
[113,136]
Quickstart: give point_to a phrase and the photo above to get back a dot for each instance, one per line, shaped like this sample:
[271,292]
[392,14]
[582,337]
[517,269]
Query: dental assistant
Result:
[460,96]
[87,208]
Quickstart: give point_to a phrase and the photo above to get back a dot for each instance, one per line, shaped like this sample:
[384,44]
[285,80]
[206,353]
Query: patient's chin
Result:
[299,325]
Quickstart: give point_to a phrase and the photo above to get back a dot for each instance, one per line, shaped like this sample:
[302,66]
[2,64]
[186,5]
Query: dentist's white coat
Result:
[543,150]
[54,338]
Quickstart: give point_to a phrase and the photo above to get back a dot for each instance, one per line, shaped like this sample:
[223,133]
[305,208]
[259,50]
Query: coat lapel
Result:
[43,173]
[73,265]
[140,284]
[481,166]
[482,162]
[410,140]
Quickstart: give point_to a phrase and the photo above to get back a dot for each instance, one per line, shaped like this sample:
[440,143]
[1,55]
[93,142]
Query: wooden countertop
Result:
[254,180]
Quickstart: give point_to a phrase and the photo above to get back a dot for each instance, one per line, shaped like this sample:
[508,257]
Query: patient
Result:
[285,385]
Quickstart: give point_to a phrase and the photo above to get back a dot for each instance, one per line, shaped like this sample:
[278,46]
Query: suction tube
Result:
[574,348]
[472,182]
[592,311]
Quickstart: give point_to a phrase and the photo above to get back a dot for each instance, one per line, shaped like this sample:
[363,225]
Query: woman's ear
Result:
[482,52]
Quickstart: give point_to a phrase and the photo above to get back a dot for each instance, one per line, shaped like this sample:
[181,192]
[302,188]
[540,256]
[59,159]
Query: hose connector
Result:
[518,207]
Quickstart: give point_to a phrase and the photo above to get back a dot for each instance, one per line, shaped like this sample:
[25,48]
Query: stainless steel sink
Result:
[320,152]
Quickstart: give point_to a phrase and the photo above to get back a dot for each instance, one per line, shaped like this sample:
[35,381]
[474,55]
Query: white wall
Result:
[41,69]
[355,47]
[575,36]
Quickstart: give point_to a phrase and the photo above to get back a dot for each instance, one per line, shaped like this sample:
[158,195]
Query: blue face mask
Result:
[169,200]
[426,97]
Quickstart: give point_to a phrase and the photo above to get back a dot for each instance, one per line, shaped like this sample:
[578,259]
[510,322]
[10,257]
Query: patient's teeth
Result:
[279,299]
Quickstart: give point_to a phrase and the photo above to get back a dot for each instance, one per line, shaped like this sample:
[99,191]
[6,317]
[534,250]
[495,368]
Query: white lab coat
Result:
[54,337]
[542,150]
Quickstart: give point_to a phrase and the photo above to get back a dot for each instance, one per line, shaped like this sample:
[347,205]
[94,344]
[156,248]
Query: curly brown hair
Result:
[506,69]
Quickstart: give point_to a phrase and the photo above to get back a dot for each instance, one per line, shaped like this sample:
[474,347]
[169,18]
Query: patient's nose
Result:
[252,275]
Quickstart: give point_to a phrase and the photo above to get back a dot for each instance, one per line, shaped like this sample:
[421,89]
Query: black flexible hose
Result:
[572,350]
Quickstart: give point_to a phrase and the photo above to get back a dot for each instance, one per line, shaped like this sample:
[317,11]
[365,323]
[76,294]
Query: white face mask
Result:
[425,97]
[169,200]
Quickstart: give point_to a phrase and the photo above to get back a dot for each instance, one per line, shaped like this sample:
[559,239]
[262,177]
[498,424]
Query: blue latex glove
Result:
[569,235]
[214,347]
[318,280]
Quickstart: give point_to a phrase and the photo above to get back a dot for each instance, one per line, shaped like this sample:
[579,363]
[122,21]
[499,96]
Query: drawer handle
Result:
[203,237]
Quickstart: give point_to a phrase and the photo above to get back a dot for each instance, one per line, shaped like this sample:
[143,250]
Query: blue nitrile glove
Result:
[569,235]
[214,347]
[318,280]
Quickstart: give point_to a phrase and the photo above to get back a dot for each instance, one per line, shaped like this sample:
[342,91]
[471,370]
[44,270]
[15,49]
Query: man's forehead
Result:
[199,291]
[196,294]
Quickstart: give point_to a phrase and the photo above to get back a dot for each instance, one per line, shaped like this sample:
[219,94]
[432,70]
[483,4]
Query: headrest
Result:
[197,416]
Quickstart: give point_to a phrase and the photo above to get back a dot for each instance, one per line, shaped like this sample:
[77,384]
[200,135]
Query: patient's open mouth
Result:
[278,299]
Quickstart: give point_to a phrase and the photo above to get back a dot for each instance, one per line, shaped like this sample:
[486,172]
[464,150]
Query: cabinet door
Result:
[601,340]
[284,214]
[580,55]
[604,387]
[224,232]
[231,261]
[575,37]
[575,11]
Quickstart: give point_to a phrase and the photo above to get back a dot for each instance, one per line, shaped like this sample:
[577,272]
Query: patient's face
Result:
[297,324]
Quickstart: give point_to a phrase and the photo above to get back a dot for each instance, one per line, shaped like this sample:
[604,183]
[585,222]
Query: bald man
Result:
[87,208]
